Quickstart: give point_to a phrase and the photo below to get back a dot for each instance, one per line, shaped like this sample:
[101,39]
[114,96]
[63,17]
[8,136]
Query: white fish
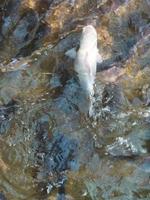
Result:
[86,59]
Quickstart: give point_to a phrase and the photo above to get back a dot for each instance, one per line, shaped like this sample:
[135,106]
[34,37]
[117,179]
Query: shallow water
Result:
[49,149]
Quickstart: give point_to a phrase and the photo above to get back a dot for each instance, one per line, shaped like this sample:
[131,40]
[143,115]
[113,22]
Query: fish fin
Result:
[71,53]
[99,58]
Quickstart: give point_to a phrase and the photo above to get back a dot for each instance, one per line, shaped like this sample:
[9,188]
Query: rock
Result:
[61,154]
[146,94]
[145,164]
[25,30]
[6,115]
[111,75]
[58,155]
[135,144]
[122,148]
[114,97]
[2,197]
[70,41]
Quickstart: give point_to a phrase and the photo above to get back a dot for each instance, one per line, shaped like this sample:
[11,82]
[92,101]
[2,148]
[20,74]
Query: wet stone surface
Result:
[6,115]
[60,158]
[2,197]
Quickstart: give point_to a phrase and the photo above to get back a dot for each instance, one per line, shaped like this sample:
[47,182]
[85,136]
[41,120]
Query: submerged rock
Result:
[25,30]
[67,149]
[111,75]
[145,164]
[122,148]
[60,157]
[2,197]
[84,158]
[114,97]
[59,154]
[6,116]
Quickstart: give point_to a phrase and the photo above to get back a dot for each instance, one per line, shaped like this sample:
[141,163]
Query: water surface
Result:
[49,149]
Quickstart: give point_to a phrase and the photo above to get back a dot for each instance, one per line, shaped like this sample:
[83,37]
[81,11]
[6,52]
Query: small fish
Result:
[86,59]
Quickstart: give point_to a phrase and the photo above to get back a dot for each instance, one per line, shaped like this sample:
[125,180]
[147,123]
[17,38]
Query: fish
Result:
[86,59]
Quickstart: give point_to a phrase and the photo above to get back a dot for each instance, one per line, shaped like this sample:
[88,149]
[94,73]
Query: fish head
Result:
[88,37]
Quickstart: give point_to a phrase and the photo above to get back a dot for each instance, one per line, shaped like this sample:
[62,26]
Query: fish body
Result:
[86,60]
[85,64]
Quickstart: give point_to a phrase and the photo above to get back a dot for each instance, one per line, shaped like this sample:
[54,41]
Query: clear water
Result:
[48,149]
